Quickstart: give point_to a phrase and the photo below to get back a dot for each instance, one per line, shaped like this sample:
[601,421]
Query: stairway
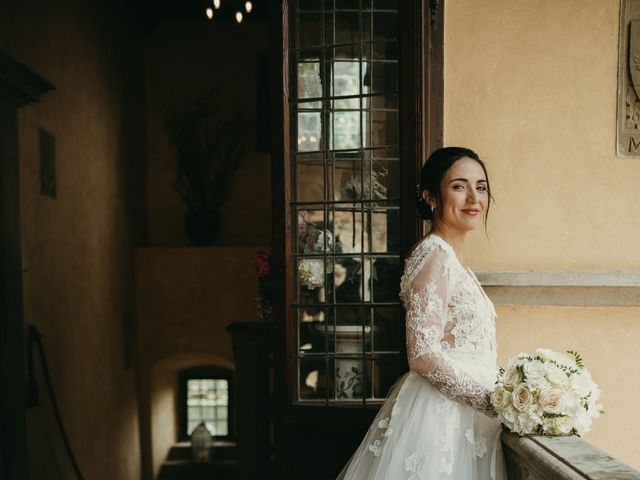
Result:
[178,464]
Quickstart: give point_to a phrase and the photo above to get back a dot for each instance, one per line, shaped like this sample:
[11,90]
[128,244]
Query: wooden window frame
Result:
[421,112]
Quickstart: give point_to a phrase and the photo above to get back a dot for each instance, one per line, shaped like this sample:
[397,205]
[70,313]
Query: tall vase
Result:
[202,227]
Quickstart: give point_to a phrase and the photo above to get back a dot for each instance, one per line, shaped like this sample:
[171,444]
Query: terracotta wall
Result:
[78,249]
[532,86]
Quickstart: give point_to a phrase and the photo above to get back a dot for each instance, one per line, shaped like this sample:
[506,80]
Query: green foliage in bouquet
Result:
[577,357]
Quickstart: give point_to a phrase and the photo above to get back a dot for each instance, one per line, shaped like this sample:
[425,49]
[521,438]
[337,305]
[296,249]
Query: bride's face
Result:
[464,196]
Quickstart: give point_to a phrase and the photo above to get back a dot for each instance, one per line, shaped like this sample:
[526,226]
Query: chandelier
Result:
[248,6]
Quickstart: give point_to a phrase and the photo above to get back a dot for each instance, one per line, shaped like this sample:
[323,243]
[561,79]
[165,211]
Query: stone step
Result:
[188,470]
[222,450]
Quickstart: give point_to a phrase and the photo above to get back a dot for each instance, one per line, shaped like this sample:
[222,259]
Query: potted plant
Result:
[208,141]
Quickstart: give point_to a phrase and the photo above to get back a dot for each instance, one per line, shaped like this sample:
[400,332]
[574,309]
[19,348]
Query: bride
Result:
[437,421]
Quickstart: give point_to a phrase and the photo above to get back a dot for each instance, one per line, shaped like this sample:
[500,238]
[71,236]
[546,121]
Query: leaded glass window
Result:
[205,395]
[345,200]
[208,403]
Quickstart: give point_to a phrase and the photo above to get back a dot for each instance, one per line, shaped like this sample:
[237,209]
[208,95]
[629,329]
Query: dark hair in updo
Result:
[433,171]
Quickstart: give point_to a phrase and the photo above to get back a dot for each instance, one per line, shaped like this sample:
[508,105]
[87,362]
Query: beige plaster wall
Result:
[186,297]
[77,249]
[182,63]
[164,422]
[532,87]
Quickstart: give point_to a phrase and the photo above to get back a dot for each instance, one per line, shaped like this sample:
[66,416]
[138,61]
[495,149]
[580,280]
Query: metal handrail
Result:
[34,336]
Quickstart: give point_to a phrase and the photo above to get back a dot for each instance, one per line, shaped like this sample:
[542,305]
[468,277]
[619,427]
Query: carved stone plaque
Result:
[628,128]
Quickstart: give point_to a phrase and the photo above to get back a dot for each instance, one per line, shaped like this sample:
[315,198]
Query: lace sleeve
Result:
[425,299]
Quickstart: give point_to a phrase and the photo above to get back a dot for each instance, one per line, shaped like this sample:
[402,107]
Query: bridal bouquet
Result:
[547,393]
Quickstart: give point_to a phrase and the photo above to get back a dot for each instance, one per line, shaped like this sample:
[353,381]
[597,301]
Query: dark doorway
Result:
[18,87]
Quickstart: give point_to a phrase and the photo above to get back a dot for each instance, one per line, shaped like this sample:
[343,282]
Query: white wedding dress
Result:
[437,421]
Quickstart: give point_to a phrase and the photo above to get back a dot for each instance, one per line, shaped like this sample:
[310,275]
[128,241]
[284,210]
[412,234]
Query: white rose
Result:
[582,422]
[581,383]
[500,398]
[510,415]
[518,422]
[526,423]
[533,370]
[544,353]
[519,361]
[595,410]
[552,401]
[555,375]
[540,384]
[560,358]
[522,397]
[561,425]
[572,404]
[512,376]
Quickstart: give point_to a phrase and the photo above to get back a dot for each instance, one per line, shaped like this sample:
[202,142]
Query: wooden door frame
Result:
[19,87]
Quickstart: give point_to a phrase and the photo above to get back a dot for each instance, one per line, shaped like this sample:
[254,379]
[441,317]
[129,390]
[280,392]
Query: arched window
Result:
[205,394]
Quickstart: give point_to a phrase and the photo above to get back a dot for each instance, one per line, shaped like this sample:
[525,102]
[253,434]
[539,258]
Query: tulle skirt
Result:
[421,434]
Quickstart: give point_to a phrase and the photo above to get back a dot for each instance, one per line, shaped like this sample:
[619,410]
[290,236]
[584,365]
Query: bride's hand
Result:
[489,410]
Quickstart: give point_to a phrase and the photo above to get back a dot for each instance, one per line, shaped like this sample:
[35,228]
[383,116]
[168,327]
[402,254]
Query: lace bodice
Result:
[450,322]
